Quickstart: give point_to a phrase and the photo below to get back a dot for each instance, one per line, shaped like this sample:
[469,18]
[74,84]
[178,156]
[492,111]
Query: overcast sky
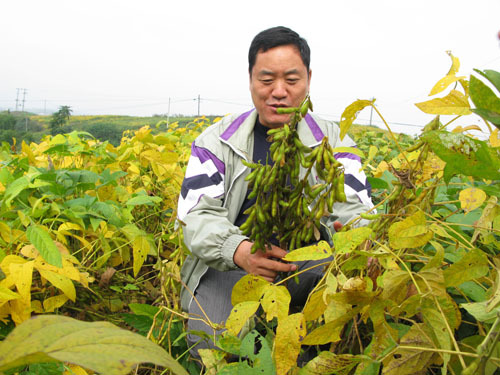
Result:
[131,57]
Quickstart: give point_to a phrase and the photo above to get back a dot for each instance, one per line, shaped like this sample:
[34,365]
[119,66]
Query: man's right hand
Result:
[259,263]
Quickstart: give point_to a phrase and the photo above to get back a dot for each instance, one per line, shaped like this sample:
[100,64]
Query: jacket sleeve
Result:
[208,233]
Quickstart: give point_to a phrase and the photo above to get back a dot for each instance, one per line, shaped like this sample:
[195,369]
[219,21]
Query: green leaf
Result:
[42,241]
[479,311]
[98,346]
[464,155]
[377,183]
[485,100]
[318,251]
[473,265]
[142,199]
[346,242]
[350,113]
[14,189]
[492,76]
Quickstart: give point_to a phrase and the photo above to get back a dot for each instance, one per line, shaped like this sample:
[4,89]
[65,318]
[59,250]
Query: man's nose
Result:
[279,90]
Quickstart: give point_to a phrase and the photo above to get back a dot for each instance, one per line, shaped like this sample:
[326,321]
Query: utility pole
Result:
[198,105]
[22,110]
[17,99]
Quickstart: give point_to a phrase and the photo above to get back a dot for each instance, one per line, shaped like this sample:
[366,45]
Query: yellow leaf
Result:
[249,288]
[20,310]
[350,113]
[22,275]
[443,83]
[67,269]
[6,295]
[36,307]
[411,232]
[8,260]
[289,335]
[75,370]
[346,242]
[315,306]
[461,129]
[455,103]
[471,198]
[354,284]
[455,64]
[240,315]
[52,303]
[27,151]
[495,139]
[275,302]
[351,150]
[381,168]
[321,250]
[141,248]
[60,282]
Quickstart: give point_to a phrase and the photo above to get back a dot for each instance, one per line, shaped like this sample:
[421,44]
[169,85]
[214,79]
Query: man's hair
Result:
[275,37]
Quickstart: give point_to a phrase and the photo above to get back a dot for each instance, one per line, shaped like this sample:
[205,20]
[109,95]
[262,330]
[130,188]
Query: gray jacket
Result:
[214,189]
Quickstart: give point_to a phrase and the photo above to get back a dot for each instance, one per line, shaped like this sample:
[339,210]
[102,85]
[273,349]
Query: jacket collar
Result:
[238,133]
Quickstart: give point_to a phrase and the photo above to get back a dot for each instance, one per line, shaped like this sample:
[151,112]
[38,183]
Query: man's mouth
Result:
[278,105]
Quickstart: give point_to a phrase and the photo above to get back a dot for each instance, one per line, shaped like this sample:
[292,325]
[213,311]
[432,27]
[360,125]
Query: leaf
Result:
[315,306]
[98,346]
[331,363]
[329,332]
[142,245]
[275,302]
[479,311]
[143,199]
[409,362]
[411,232]
[351,150]
[249,288]
[318,251]
[289,335]
[346,242]
[15,188]
[22,275]
[350,113]
[61,282]
[455,64]
[240,315]
[495,138]
[464,155]
[485,100]
[52,303]
[473,265]
[455,103]
[443,83]
[7,295]
[492,76]
[42,241]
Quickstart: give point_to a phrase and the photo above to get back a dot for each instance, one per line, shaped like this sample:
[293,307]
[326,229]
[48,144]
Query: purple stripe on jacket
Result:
[235,125]
[347,155]
[315,129]
[203,154]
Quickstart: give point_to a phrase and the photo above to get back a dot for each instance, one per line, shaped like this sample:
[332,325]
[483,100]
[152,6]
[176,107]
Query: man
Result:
[214,193]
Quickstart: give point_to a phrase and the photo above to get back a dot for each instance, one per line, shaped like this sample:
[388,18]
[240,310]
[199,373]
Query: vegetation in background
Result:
[87,230]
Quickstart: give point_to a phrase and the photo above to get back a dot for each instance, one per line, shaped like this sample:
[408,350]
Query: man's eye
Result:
[292,80]
[266,81]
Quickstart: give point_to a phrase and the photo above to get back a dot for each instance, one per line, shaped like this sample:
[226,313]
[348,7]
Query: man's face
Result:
[279,78]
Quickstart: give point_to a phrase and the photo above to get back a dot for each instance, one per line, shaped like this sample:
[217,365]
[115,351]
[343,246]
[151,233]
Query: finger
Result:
[277,266]
[276,252]
[337,226]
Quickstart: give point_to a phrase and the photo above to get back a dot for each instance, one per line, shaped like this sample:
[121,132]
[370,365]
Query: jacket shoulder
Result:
[210,136]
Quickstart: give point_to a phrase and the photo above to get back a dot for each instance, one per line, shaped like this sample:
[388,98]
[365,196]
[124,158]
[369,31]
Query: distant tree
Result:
[60,118]
[7,121]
